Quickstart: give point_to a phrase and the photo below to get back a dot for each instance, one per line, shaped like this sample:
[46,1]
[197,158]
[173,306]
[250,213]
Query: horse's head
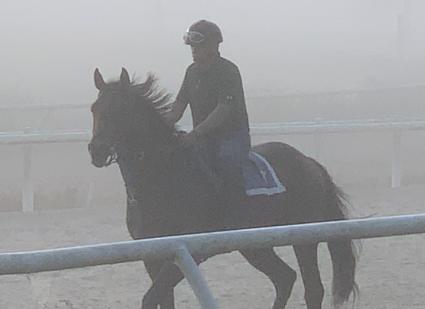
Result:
[111,114]
[123,112]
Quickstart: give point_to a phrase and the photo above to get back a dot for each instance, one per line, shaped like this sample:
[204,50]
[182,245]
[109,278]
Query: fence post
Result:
[27,189]
[193,275]
[318,141]
[89,195]
[396,160]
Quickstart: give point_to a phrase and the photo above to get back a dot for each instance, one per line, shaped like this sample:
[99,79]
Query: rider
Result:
[212,87]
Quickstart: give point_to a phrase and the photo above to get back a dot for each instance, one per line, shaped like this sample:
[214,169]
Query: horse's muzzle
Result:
[101,155]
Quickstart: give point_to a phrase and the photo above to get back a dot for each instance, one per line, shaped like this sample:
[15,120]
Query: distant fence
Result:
[181,248]
[316,128]
[43,107]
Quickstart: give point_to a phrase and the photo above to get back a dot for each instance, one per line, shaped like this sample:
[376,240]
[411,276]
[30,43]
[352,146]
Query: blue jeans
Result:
[233,151]
[234,148]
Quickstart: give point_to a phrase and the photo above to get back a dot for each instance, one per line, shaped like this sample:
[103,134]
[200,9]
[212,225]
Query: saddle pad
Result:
[260,177]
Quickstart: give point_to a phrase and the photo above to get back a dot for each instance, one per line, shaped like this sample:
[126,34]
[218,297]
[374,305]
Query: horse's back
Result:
[289,163]
[306,180]
[273,147]
[265,210]
[286,160]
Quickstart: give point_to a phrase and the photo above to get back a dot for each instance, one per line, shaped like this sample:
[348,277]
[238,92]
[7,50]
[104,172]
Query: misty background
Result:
[49,49]
[300,60]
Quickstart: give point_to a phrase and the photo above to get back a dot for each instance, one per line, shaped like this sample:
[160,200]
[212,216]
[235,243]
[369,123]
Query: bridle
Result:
[112,158]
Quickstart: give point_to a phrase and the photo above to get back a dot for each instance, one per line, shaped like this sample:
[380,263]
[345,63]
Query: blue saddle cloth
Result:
[260,177]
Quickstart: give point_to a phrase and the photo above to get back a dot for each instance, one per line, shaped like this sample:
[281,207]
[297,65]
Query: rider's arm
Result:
[179,105]
[177,109]
[219,116]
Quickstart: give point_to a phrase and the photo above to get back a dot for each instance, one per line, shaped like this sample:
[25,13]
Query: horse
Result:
[169,194]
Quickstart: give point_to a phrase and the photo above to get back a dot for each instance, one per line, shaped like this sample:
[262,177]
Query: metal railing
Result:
[181,248]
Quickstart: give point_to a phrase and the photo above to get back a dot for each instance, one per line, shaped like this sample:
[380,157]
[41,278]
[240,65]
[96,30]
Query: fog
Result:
[300,60]
[50,48]
[287,51]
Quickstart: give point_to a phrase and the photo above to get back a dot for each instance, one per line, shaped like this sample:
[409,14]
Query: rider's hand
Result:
[189,140]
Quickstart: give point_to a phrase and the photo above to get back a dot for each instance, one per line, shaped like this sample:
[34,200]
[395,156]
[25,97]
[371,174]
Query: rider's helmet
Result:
[201,32]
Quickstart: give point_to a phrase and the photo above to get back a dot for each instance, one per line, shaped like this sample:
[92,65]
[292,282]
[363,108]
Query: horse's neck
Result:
[152,137]
[163,164]
[153,166]
[131,170]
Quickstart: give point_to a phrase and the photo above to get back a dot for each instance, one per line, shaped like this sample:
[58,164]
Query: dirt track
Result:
[391,271]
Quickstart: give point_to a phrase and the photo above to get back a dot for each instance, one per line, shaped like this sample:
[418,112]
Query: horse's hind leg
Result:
[282,276]
[307,260]
[153,267]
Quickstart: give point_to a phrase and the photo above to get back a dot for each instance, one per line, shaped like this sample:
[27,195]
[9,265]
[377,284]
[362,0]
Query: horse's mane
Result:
[154,96]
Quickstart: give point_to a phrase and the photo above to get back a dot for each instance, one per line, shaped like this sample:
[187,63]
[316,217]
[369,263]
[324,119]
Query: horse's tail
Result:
[344,254]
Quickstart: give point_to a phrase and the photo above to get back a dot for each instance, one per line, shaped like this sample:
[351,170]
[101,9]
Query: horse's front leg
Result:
[163,284]
[153,268]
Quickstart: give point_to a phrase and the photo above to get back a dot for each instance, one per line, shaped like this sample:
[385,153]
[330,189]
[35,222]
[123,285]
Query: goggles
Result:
[193,37]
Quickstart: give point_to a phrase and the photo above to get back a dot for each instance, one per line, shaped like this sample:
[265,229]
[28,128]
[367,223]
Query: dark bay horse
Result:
[169,195]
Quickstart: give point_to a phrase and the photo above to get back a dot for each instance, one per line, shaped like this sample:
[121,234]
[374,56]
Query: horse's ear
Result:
[125,78]
[98,79]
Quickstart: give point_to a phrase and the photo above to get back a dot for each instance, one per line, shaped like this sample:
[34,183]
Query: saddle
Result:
[254,177]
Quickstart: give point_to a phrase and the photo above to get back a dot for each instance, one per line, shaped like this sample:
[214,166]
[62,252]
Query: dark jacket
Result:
[203,90]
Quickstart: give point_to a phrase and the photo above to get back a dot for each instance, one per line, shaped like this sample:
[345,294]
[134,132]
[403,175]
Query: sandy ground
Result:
[391,272]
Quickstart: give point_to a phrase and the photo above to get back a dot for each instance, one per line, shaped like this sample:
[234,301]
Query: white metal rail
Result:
[279,128]
[208,243]
[316,128]
[180,248]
